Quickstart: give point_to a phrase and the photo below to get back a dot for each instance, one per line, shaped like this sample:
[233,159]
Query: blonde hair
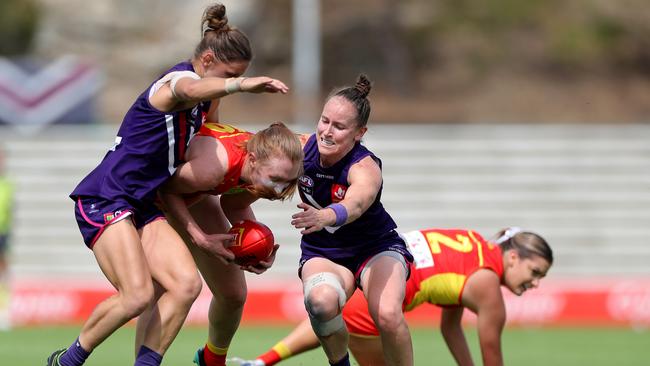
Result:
[278,140]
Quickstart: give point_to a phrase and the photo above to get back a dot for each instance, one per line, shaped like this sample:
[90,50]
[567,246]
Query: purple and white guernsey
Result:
[320,187]
[150,144]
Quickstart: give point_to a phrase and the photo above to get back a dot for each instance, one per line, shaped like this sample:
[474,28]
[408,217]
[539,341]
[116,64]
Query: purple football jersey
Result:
[150,144]
[320,187]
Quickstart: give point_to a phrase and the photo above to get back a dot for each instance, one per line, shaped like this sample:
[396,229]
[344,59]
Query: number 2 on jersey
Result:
[461,244]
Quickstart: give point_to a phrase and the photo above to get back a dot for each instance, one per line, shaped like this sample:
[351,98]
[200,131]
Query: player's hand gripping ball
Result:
[253,242]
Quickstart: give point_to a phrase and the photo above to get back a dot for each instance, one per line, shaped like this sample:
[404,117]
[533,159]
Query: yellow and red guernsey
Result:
[234,141]
[444,260]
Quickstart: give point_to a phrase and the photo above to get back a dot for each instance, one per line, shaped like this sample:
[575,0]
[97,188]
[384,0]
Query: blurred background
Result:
[486,114]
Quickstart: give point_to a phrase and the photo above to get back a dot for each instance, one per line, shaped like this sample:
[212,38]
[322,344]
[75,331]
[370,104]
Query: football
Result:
[253,242]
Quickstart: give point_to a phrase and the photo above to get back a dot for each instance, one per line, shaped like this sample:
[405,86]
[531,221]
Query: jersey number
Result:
[221,127]
[460,244]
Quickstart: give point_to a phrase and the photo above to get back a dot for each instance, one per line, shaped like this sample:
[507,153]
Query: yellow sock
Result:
[216,350]
[282,350]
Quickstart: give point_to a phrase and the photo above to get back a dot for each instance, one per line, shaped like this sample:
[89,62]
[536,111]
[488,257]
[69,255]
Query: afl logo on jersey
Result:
[306,184]
[338,192]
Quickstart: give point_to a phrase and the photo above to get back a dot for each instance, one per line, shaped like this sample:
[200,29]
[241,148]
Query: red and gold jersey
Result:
[234,141]
[444,259]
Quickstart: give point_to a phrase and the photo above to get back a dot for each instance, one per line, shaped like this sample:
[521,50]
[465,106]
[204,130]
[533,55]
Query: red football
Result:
[253,242]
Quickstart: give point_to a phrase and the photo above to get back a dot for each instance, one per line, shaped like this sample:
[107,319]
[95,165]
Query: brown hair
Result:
[527,244]
[278,140]
[228,44]
[358,96]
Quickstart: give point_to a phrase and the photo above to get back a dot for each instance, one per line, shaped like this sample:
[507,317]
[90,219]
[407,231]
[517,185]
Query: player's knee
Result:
[322,306]
[322,303]
[324,295]
[324,299]
[187,288]
[389,318]
[135,302]
[233,298]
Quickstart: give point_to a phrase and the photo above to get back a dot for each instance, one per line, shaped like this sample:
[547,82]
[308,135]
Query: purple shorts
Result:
[390,241]
[94,214]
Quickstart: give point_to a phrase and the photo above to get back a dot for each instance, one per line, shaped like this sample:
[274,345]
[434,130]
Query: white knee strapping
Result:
[325,278]
[328,327]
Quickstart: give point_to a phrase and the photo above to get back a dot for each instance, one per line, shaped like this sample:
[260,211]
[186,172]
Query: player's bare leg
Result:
[226,282]
[367,351]
[322,302]
[178,284]
[383,283]
[119,254]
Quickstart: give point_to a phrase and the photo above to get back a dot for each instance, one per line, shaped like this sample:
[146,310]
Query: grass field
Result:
[543,347]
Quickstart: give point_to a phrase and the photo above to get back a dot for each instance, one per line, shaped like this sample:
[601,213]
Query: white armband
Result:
[172,78]
[179,75]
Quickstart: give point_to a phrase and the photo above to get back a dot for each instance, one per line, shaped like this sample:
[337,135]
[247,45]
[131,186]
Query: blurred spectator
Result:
[6,204]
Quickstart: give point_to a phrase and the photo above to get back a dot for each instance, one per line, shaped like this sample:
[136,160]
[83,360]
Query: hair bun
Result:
[214,18]
[363,85]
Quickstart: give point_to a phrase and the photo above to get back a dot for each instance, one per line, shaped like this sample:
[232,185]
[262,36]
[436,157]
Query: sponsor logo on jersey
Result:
[324,176]
[338,192]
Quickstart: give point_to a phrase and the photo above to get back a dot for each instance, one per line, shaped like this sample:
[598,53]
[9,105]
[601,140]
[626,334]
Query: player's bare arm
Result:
[483,295]
[237,206]
[365,182]
[452,331]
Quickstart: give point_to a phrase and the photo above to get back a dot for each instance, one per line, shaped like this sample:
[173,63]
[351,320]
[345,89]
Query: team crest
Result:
[109,216]
[338,192]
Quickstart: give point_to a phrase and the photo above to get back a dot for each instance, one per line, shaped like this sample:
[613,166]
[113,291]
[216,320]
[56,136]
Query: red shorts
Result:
[357,317]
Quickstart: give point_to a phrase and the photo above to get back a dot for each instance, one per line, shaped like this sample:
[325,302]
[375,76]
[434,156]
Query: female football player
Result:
[115,206]
[349,240]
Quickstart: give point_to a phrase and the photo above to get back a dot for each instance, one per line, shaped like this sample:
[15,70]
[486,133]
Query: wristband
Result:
[341,213]
[233,85]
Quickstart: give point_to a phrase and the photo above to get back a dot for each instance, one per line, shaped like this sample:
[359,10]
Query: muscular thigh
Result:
[168,257]
[384,282]
[120,256]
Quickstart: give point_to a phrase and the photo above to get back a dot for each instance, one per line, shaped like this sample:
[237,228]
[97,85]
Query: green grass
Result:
[530,347]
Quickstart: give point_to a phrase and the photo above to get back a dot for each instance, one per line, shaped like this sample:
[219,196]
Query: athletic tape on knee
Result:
[325,278]
[328,327]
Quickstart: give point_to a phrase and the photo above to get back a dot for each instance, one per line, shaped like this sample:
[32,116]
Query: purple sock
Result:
[147,357]
[75,355]
[345,361]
